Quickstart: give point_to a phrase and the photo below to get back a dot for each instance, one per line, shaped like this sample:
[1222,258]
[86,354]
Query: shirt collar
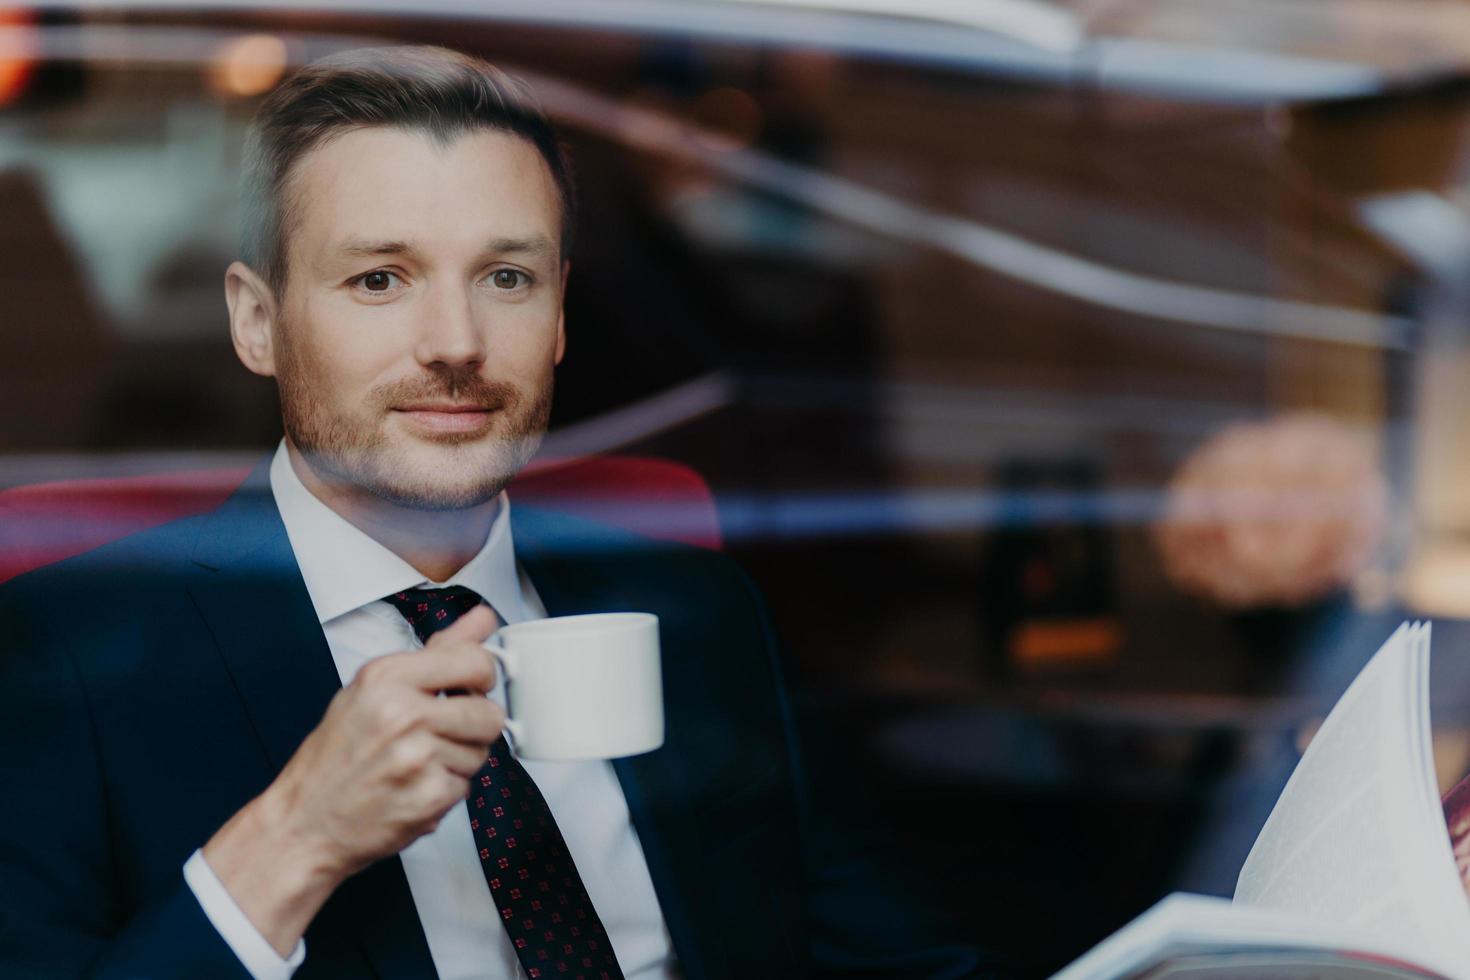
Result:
[345,569]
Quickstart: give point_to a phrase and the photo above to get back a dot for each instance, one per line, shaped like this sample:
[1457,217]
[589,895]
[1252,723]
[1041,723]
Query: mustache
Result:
[461,387]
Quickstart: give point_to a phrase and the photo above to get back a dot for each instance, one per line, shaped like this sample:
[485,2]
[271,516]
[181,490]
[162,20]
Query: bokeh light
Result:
[17,53]
[249,65]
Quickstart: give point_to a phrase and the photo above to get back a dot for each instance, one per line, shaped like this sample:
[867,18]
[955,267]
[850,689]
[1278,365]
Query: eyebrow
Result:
[358,246]
[530,245]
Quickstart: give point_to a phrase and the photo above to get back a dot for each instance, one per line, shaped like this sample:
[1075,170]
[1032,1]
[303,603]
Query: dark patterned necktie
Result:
[542,902]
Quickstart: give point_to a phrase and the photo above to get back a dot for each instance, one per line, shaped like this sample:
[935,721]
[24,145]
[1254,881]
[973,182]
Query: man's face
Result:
[422,315]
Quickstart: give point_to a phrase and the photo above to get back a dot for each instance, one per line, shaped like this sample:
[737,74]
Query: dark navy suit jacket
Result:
[151,688]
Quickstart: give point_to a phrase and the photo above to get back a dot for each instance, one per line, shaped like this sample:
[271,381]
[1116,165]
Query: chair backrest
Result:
[46,522]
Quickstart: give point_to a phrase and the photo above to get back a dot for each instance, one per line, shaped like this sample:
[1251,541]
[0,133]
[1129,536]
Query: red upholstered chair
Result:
[46,522]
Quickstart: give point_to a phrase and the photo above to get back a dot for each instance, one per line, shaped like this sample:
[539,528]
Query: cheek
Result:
[345,360]
[523,337]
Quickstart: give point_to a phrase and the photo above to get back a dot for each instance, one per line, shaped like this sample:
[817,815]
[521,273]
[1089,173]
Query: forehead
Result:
[390,184]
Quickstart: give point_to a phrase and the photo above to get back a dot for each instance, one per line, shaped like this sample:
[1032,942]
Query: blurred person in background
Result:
[227,753]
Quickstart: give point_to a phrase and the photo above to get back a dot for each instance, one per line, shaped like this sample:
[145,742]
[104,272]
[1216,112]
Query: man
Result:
[229,748]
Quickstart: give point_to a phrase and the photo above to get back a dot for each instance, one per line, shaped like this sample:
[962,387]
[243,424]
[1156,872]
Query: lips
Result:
[447,416]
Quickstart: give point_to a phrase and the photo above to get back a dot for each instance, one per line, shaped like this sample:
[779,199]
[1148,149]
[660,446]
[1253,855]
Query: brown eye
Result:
[506,278]
[377,282]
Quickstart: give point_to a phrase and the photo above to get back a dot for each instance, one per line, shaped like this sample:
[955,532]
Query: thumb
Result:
[474,626]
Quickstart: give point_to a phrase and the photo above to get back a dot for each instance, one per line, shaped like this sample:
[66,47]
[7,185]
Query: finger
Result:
[439,794]
[463,666]
[461,758]
[474,626]
[476,720]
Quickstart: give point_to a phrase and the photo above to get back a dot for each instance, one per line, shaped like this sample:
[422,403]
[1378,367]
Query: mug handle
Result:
[507,662]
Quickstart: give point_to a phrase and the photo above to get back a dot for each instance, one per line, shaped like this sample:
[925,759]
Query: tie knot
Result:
[430,610]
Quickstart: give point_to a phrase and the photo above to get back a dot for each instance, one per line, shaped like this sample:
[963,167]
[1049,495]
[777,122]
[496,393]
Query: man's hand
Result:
[387,762]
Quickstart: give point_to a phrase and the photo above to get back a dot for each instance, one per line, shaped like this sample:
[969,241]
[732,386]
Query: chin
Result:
[439,491]
[452,476]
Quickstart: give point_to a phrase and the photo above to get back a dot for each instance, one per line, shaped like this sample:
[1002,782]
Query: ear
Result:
[252,318]
[561,316]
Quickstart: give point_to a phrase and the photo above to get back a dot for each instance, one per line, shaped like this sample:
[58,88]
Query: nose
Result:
[448,333]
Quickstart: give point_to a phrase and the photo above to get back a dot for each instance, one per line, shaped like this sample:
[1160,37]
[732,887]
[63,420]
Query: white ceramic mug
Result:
[582,687]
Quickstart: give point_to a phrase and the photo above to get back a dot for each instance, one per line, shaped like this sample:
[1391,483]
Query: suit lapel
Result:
[256,605]
[655,784]
[262,619]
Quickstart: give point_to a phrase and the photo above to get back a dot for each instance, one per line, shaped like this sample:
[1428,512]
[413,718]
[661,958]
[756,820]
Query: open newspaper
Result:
[1352,877]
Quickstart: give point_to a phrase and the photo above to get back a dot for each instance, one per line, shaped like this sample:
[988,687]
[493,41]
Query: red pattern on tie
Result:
[533,881]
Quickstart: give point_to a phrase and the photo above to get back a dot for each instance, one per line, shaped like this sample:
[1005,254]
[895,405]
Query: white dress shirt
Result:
[347,573]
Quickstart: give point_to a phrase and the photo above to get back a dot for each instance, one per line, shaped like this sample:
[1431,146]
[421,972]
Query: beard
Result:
[448,471]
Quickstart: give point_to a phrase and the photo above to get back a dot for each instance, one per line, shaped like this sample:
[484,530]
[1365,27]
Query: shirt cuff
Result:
[258,956]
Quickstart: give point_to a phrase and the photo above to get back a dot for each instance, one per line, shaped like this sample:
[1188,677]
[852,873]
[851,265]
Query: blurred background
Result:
[1083,381]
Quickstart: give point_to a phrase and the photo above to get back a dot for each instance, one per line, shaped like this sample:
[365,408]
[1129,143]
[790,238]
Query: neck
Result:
[437,543]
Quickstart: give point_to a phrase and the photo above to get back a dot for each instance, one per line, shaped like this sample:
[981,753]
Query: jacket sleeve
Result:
[63,913]
[865,918]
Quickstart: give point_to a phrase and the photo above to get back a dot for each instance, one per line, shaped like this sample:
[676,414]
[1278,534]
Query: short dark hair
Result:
[433,90]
